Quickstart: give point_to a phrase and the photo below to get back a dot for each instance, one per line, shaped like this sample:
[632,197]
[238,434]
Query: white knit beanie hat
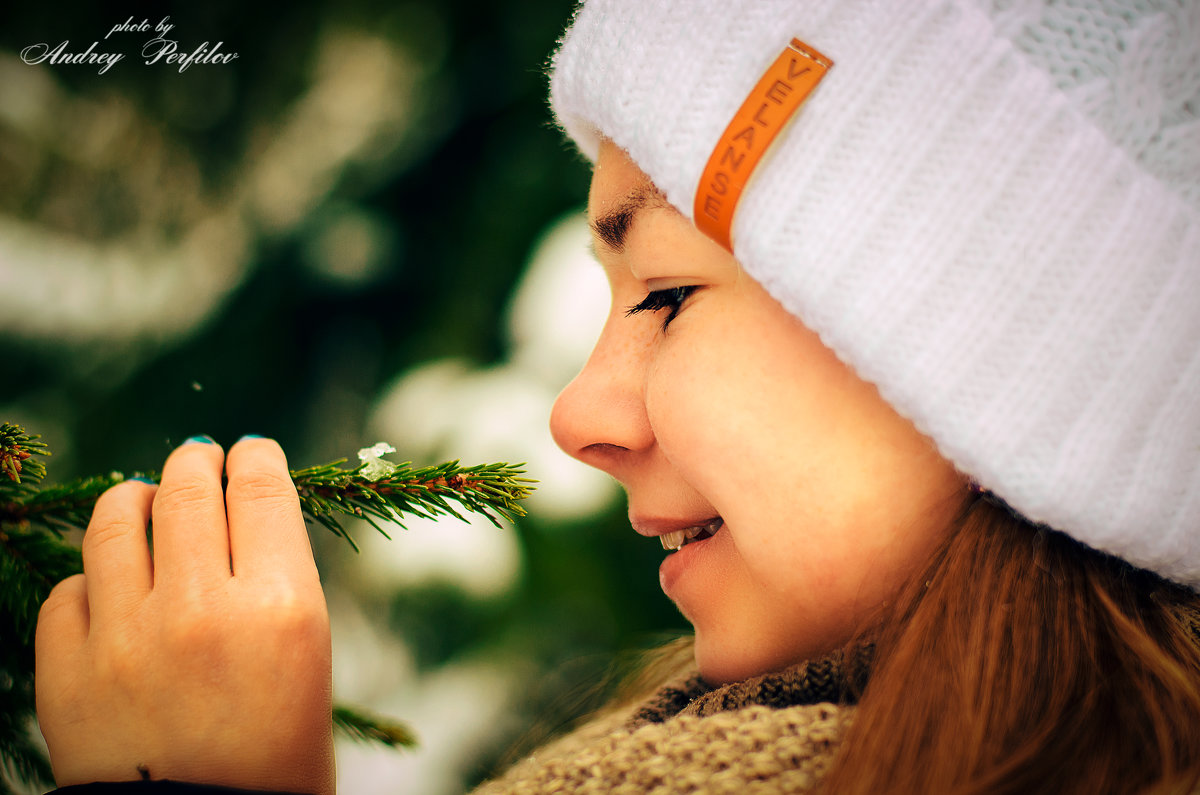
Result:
[989,208]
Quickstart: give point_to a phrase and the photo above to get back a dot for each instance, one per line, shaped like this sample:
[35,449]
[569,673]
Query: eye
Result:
[672,299]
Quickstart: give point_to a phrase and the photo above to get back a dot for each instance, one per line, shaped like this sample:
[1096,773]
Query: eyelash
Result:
[672,299]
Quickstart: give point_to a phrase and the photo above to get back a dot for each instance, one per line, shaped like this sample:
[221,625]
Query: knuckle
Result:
[118,650]
[261,485]
[294,611]
[118,659]
[190,625]
[63,596]
[101,535]
[184,494]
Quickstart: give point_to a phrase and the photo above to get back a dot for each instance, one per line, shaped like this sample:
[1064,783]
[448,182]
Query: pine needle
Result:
[358,725]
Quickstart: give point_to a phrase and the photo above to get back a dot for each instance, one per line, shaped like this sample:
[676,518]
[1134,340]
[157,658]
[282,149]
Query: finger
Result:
[62,624]
[191,537]
[266,527]
[116,557]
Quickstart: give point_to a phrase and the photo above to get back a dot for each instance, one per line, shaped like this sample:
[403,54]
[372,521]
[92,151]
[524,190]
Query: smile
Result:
[677,539]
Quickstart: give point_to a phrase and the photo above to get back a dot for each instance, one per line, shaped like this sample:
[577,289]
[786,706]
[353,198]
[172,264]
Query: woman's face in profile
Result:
[807,498]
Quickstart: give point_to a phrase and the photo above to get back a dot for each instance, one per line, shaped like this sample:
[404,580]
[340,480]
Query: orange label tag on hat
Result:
[778,94]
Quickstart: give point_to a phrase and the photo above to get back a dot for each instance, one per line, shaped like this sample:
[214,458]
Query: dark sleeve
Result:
[157,788]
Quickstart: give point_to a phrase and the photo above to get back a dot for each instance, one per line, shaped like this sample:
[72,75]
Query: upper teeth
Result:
[677,538]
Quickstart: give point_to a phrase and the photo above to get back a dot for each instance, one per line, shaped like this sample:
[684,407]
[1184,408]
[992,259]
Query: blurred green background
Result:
[365,227]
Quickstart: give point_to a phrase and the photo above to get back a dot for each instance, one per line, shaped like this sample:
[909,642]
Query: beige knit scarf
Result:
[771,733]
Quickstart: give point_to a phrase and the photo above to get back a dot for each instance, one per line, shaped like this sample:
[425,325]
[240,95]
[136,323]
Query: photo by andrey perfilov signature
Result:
[157,50]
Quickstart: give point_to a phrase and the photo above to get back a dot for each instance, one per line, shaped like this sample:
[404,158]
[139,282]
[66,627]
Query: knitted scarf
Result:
[767,734]
[772,733]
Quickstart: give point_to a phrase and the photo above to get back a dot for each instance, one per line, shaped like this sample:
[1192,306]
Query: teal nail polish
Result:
[252,436]
[202,439]
[147,481]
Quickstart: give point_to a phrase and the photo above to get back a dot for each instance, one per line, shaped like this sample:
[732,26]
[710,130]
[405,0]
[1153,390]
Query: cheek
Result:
[728,403]
[743,397]
[825,488]
[700,416]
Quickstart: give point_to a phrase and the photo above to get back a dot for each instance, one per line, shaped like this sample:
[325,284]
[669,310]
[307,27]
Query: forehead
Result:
[619,191]
[617,180]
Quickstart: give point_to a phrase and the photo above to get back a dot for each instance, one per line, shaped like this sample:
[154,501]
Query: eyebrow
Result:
[612,228]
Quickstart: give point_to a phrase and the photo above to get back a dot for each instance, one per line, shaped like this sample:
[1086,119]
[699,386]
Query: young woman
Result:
[903,364]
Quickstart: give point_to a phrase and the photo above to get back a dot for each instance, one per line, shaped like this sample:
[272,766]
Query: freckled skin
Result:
[830,498]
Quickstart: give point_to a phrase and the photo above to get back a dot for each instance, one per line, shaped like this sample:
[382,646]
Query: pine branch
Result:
[376,491]
[374,494]
[35,554]
[16,449]
[31,563]
[358,725]
[59,508]
[21,760]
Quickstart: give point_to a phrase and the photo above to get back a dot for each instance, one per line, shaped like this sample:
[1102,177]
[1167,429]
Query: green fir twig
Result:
[358,725]
[17,449]
[330,491]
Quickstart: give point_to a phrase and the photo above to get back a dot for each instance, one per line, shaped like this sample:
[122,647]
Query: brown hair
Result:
[1021,661]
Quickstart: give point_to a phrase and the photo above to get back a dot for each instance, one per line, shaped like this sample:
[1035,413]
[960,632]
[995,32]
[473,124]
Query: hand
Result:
[209,663]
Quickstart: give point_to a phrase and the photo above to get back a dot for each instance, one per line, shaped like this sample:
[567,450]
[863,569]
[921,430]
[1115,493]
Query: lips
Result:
[677,539]
[697,550]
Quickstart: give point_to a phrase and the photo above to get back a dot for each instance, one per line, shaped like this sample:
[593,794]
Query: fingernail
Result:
[147,481]
[251,436]
[203,439]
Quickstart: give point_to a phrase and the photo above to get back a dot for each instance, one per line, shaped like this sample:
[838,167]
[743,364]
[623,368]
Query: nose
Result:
[600,417]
